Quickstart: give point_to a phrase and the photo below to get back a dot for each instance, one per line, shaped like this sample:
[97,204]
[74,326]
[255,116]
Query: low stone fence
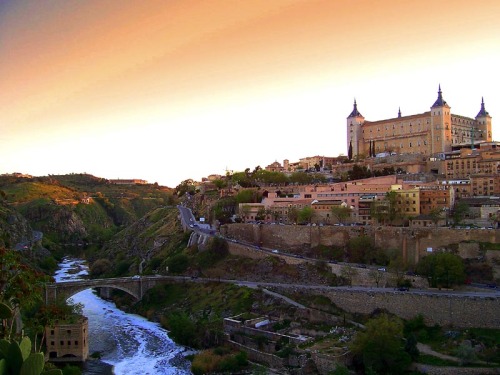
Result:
[326,363]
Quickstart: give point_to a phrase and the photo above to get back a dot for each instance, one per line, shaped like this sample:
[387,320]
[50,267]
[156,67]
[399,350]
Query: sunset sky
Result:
[170,90]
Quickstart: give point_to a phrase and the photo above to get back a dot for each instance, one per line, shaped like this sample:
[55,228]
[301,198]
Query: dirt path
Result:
[426,349]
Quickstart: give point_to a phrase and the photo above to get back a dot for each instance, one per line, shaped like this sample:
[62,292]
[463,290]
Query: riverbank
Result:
[129,344]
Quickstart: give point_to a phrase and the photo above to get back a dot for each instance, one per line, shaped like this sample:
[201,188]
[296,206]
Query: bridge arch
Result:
[135,286]
[75,290]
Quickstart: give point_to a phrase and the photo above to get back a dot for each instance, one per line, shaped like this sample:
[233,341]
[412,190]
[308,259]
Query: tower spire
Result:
[355,111]
[399,112]
[482,111]
[439,101]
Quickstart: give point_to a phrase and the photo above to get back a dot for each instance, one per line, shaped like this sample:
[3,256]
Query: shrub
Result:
[182,329]
[178,263]
[100,267]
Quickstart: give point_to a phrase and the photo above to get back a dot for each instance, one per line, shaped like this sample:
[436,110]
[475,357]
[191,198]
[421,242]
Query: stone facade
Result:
[429,133]
[68,342]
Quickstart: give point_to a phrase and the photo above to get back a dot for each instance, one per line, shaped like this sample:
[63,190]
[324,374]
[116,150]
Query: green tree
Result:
[182,329]
[381,346]
[341,213]
[242,178]
[178,263]
[261,214]
[293,215]
[301,178]
[20,286]
[385,211]
[248,196]
[397,265]
[358,172]
[100,267]
[436,214]
[220,184]
[185,187]
[361,250]
[459,212]
[224,209]
[348,273]
[377,276]
[305,215]
[442,269]
[466,353]
[244,211]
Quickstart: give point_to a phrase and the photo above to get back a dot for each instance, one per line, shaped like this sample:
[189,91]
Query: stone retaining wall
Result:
[445,310]
[299,239]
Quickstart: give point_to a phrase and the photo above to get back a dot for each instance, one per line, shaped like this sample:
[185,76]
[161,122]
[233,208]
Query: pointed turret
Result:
[439,101]
[399,112]
[355,132]
[482,111]
[355,112]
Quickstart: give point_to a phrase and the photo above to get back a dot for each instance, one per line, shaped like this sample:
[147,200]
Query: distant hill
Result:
[80,208]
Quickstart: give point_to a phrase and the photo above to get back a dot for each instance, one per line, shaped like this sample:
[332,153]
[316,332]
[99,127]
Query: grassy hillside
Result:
[80,208]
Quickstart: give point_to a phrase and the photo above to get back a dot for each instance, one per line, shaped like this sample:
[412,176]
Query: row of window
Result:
[62,342]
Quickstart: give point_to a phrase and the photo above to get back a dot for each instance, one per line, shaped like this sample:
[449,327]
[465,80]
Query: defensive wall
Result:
[361,276]
[442,309]
[300,239]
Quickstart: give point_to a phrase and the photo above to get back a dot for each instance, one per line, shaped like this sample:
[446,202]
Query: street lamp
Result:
[472,136]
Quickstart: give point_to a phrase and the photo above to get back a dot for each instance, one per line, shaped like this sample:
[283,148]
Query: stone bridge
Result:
[136,286]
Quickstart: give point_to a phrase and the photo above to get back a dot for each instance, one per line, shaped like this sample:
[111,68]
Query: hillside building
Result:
[68,341]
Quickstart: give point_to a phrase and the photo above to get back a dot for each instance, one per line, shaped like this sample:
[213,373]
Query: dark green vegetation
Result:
[80,208]
[442,269]
[381,348]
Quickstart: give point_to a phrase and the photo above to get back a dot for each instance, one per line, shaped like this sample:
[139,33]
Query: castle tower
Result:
[440,131]
[483,123]
[354,132]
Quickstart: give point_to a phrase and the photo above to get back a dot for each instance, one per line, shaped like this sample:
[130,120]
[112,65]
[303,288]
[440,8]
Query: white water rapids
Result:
[127,342]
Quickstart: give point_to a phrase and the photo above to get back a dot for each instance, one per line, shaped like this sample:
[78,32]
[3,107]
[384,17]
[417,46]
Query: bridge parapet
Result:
[136,286]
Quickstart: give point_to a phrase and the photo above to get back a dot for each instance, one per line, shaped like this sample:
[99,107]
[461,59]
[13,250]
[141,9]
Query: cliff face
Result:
[14,228]
[75,208]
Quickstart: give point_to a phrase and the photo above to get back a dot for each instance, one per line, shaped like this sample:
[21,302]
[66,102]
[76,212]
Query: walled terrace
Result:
[264,345]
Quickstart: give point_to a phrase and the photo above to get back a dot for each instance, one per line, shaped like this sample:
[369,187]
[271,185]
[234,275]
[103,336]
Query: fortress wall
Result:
[299,239]
[457,311]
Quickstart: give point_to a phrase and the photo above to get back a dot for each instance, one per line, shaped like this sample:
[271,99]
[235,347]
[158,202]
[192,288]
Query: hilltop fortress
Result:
[429,133]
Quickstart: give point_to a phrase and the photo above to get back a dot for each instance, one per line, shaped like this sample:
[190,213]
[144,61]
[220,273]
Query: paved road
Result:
[188,217]
[257,284]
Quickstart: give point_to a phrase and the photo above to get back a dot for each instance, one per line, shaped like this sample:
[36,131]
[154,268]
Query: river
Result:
[129,344]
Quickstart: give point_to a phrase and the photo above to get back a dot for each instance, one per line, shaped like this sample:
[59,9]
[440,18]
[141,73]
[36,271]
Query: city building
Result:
[429,133]
[134,181]
[436,198]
